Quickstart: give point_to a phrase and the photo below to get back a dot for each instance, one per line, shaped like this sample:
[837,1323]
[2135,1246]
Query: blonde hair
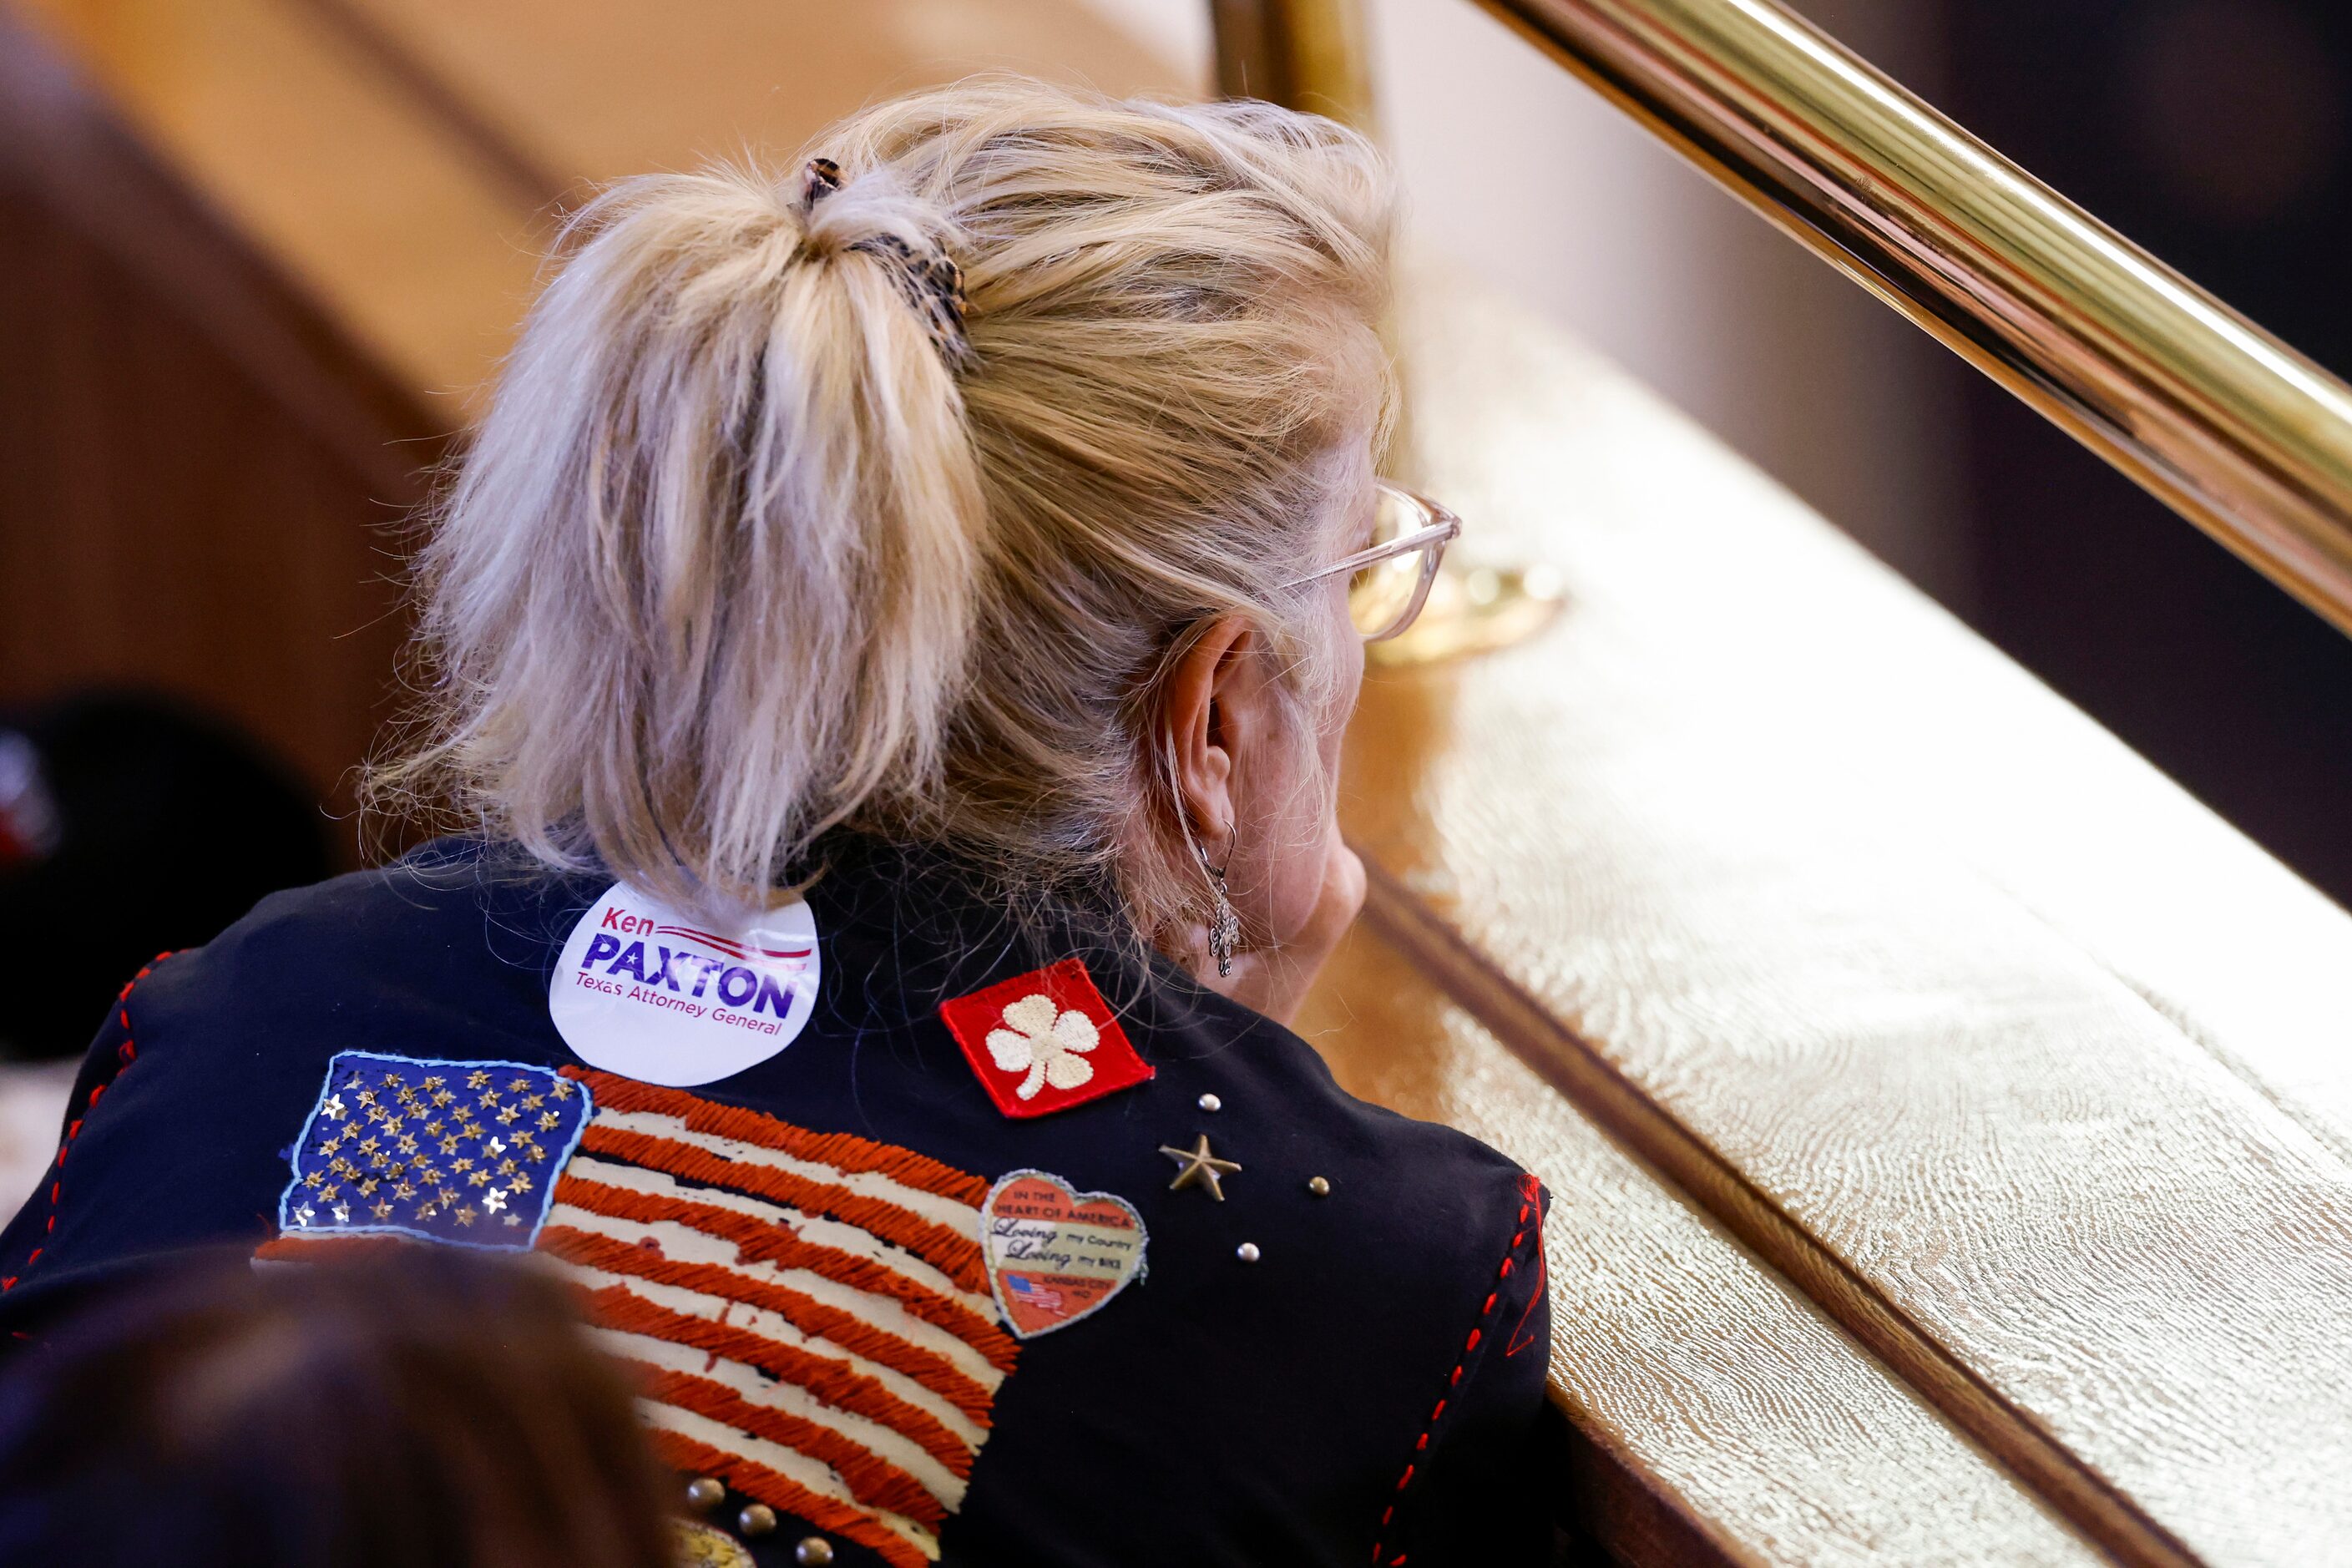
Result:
[742,553]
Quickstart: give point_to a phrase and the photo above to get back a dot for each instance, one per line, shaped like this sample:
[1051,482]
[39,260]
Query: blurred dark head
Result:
[413,1407]
[128,826]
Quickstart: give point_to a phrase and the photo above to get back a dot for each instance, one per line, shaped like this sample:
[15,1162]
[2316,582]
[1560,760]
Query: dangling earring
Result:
[1224,926]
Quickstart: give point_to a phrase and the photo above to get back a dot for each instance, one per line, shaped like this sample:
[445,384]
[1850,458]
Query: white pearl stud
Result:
[1211,1103]
[1247,1252]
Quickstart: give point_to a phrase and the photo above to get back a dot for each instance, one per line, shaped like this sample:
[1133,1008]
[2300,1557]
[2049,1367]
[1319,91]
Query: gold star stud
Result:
[1199,1168]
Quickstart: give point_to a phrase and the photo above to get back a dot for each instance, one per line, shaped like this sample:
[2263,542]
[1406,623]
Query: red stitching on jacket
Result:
[1529,1188]
[1520,1340]
[124,1057]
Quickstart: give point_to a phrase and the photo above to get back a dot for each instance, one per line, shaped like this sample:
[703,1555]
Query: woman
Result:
[890,643]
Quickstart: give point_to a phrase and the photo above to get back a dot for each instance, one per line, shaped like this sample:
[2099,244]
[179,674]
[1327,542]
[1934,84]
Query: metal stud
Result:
[815,1552]
[757,1520]
[1319,1186]
[1211,1103]
[1247,1252]
[703,1494]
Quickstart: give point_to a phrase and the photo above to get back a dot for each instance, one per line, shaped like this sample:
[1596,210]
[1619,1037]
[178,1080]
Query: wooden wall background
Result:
[201,475]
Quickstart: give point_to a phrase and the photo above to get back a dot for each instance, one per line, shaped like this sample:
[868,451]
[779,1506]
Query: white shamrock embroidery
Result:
[1049,1044]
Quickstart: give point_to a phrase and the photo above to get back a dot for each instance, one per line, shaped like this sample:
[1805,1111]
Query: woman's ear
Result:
[1209,710]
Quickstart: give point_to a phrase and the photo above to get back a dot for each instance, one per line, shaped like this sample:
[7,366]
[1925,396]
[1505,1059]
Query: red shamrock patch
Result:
[1044,1041]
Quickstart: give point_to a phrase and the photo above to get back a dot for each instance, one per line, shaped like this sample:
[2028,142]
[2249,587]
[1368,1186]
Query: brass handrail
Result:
[1306,54]
[2228,425]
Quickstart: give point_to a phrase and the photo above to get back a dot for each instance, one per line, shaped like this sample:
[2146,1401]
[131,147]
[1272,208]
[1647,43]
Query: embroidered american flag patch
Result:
[807,1314]
[454,1152]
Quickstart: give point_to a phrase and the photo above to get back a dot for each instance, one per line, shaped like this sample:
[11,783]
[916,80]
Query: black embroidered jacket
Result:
[912,1277]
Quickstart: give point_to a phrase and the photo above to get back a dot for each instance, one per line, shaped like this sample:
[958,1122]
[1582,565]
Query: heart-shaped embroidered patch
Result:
[1055,1255]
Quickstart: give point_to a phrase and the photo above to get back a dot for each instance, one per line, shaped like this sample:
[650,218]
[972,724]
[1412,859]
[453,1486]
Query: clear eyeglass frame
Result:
[1390,578]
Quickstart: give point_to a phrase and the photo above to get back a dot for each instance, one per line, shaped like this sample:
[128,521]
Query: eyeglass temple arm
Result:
[1438,532]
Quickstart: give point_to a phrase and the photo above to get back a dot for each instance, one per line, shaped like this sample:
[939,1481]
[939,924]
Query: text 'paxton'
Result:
[644,991]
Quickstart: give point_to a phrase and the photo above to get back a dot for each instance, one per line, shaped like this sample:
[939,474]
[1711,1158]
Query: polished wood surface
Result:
[1728,1419]
[1826,909]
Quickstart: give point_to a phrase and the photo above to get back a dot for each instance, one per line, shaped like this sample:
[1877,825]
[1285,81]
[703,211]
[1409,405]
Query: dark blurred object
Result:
[2214,132]
[413,1407]
[130,825]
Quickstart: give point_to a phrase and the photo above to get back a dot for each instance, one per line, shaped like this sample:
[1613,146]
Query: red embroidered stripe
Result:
[841,1151]
[301,1245]
[873,1480]
[616,1307]
[955,1255]
[688,1456]
[124,1055]
[759,1241]
[852,1333]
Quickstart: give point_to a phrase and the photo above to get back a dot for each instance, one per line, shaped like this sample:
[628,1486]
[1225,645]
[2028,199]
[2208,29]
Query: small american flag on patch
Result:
[807,1313]
[1042,1297]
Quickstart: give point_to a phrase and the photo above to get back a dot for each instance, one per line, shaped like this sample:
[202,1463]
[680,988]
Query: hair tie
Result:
[821,178]
[931,280]
[933,284]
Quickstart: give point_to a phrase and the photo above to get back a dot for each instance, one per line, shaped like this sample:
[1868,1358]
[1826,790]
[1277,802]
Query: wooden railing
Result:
[1654,860]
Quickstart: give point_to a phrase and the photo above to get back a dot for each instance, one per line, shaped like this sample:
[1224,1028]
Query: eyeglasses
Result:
[1391,577]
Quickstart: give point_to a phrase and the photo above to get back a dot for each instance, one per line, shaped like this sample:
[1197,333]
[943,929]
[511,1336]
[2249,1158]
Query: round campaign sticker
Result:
[661,997]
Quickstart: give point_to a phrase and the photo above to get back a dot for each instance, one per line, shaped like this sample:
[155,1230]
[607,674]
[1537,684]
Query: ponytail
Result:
[703,587]
[763,535]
